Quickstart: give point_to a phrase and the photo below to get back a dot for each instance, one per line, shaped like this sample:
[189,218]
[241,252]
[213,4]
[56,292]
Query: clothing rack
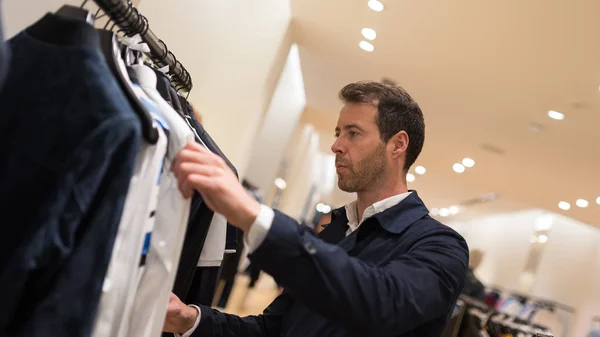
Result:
[496,322]
[131,22]
[542,301]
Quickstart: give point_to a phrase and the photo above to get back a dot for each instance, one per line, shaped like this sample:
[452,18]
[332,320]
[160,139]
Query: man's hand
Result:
[180,318]
[198,169]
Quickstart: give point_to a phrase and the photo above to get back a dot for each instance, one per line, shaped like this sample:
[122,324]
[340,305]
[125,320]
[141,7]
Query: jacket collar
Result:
[396,218]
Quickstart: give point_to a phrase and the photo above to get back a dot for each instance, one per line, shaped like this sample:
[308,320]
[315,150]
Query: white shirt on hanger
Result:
[136,222]
[151,299]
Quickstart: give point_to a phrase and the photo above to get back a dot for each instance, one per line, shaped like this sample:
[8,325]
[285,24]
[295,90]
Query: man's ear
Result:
[400,143]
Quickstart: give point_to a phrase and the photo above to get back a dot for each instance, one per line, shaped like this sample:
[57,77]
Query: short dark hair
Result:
[396,111]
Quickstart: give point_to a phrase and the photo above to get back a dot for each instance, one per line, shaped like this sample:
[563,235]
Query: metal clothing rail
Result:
[131,22]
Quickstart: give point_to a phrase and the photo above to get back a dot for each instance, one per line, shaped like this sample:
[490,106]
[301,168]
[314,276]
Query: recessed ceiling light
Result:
[468,162]
[366,46]
[376,5]
[458,168]
[420,170]
[369,33]
[559,116]
[454,209]
[444,212]
[564,205]
[434,212]
[598,200]
[542,238]
[280,183]
[410,177]
[582,203]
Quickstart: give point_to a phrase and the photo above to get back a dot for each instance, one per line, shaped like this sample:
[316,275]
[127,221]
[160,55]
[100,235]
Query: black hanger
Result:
[111,49]
[76,13]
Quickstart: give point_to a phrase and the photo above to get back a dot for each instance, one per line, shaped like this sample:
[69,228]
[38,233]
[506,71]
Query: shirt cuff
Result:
[259,229]
[192,329]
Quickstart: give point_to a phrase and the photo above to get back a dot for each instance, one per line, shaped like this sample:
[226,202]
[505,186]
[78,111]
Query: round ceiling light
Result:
[410,177]
[444,212]
[559,116]
[376,5]
[454,209]
[598,200]
[280,183]
[366,46]
[458,168]
[468,162]
[420,170]
[582,203]
[565,206]
[434,212]
[369,33]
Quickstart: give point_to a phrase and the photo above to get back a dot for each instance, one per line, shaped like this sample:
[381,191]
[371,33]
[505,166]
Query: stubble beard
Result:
[365,174]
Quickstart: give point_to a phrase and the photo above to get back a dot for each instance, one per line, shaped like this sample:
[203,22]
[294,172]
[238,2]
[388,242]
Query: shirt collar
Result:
[378,207]
[394,219]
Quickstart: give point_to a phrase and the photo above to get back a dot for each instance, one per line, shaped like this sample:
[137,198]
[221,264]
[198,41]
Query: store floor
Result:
[244,301]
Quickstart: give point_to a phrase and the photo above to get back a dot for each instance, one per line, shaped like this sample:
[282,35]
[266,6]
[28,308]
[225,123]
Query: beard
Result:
[364,174]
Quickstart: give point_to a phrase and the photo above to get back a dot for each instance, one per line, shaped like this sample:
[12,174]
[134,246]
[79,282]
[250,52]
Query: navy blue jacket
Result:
[398,274]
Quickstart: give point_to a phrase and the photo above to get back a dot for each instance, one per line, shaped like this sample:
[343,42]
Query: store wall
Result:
[303,155]
[235,51]
[271,141]
[18,14]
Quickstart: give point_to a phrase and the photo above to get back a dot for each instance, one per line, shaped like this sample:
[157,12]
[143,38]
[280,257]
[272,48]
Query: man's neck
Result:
[367,198]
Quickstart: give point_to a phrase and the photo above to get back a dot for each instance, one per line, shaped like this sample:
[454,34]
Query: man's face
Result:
[360,154]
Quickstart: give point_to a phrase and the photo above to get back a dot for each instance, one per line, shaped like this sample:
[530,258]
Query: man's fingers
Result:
[188,168]
[196,147]
[202,182]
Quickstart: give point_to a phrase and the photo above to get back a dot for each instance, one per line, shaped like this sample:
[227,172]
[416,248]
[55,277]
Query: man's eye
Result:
[352,133]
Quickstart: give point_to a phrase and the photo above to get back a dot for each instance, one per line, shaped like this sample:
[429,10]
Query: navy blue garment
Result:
[68,139]
[231,242]
[199,283]
[398,274]
[4,53]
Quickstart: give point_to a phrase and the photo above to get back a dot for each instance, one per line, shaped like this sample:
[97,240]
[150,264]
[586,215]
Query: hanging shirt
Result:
[214,245]
[133,238]
[69,143]
[152,297]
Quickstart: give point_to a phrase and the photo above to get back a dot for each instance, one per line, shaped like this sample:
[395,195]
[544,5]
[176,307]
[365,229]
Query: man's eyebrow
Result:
[348,127]
[353,126]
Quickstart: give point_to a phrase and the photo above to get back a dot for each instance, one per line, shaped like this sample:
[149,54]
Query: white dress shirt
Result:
[260,228]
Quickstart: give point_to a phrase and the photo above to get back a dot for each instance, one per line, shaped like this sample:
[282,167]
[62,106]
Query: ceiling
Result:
[482,72]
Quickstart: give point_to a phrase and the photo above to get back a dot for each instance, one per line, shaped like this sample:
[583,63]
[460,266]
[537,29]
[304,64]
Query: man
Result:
[383,267]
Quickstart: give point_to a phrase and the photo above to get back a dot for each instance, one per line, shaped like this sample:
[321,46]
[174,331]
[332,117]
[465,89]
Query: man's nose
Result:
[337,147]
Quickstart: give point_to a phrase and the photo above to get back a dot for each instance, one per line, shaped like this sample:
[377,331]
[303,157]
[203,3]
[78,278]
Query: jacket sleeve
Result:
[386,300]
[214,323]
